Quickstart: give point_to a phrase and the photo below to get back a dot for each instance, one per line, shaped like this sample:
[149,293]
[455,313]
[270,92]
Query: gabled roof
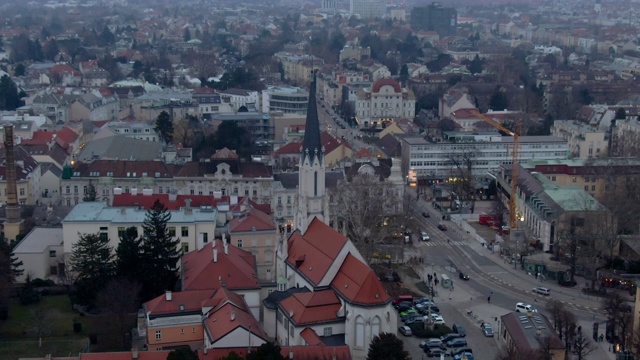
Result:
[235,270]
[330,142]
[386,81]
[183,301]
[389,145]
[523,331]
[311,337]
[225,153]
[252,220]
[358,284]
[312,307]
[313,253]
[223,320]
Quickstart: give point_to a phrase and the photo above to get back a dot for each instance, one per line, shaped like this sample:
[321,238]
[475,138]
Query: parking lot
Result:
[485,348]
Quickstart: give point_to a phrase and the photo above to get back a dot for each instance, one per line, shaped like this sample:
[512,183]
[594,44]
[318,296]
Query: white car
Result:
[424,236]
[525,308]
[435,318]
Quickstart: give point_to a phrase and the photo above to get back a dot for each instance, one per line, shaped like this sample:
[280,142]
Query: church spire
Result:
[312,145]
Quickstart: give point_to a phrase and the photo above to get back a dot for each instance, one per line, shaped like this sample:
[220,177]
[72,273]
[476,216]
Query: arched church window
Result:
[375,326]
[359,331]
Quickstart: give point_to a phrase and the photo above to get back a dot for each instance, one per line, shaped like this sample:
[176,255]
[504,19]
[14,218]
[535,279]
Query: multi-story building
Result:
[368,9]
[584,141]
[256,232]
[240,99]
[257,124]
[223,176]
[386,99]
[136,130]
[356,53]
[28,177]
[435,17]
[299,68]
[424,159]
[285,100]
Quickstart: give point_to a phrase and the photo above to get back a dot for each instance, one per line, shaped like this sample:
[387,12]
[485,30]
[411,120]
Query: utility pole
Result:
[428,323]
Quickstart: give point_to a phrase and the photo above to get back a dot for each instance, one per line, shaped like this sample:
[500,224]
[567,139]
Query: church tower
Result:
[311,200]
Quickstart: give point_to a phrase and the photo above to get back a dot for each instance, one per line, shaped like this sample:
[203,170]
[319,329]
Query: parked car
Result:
[423,300]
[542,291]
[450,337]
[525,308]
[459,342]
[461,351]
[463,276]
[405,330]
[434,352]
[408,312]
[425,214]
[406,304]
[459,329]
[424,236]
[424,310]
[464,356]
[442,227]
[402,298]
[413,319]
[432,343]
[487,329]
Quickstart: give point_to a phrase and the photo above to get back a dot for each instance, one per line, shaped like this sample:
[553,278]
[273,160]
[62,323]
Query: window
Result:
[21,191]
[181,331]
[255,192]
[254,242]
[239,243]
[327,331]
[593,188]
[104,233]
[360,332]
[586,188]
[84,190]
[121,231]
[52,253]
[553,178]
[574,179]
[192,192]
[291,330]
[375,327]
[205,238]
[67,190]
[158,335]
[279,315]
[193,330]
[172,231]
[185,231]
[75,189]
[185,247]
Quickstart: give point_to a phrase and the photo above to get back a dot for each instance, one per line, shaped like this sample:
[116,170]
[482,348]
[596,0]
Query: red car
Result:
[442,227]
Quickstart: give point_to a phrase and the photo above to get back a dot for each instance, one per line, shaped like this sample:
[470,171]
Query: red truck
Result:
[489,220]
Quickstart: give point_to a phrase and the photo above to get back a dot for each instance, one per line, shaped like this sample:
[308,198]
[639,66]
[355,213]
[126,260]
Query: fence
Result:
[460,220]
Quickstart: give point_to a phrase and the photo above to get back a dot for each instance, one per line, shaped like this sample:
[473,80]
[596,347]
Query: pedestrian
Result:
[594,315]
[489,299]
[536,276]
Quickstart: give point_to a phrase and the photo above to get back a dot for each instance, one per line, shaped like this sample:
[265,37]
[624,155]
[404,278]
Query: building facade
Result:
[285,100]
[386,99]
[583,140]
[368,9]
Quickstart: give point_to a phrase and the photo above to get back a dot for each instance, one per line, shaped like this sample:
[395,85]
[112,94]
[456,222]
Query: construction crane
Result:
[513,203]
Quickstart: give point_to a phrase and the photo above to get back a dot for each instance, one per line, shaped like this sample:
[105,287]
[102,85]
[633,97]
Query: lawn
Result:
[18,332]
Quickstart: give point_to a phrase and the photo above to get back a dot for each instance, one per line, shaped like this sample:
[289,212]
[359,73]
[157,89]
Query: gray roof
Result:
[39,239]
[272,301]
[98,211]
[121,148]
[239,116]
[289,180]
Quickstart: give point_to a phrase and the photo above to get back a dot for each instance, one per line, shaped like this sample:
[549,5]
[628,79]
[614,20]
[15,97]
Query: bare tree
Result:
[582,347]
[545,352]
[510,352]
[40,324]
[118,302]
[556,307]
[568,329]
[620,313]
[463,180]
[364,206]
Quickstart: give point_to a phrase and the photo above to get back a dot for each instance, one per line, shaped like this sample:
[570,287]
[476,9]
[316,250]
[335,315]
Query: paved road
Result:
[451,251]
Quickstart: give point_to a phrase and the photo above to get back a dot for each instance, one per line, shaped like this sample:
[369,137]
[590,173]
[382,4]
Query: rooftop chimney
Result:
[290,353]
[215,255]
[233,315]
[167,295]
[13,222]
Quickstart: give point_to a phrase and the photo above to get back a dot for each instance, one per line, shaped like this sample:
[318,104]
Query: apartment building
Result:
[386,99]
[584,141]
[284,99]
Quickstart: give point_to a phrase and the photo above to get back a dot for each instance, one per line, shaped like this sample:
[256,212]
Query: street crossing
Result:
[440,242]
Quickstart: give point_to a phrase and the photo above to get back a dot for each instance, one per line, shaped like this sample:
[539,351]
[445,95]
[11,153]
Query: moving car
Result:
[405,330]
[425,214]
[459,342]
[487,329]
[463,276]
[442,227]
[542,291]
[525,308]
[424,236]
[459,329]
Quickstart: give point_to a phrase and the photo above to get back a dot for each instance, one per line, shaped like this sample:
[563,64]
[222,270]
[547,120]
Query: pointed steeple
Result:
[312,146]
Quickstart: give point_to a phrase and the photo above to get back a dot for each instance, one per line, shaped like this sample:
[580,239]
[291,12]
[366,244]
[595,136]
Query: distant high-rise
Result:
[435,17]
[368,9]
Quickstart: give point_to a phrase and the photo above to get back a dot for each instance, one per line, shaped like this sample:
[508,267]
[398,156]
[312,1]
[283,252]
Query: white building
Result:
[41,253]
[386,99]
[368,9]
[426,159]
[284,99]
[136,130]
[583,140]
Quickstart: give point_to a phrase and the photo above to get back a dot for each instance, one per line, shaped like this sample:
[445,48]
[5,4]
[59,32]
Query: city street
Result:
[328,123]
[451,251]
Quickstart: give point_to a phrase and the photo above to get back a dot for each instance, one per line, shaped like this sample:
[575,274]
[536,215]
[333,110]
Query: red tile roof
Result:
[312,307]
[314,252]
[358,284]
[229,317]
[235,270]
[386,81]
[310,352]
[330,142]
[364,153]
[252,220]
[310,337]
[190,300]
[465,114]
[225,153]
[293,147]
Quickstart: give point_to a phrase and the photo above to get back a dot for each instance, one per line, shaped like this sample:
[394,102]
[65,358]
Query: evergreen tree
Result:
[164,127]
[129,254]
[183,353]
[9,96]
[92,264]
[10,266]
[187,35]
[475,66]
[19,70]
[404,74]
[266,351]
[160,252]
[498,100]
[387,346]
[621,114]
[91,193]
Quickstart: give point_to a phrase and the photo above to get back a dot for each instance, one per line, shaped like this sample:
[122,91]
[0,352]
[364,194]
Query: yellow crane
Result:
[513,203]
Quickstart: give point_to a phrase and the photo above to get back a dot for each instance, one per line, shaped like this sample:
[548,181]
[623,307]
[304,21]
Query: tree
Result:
[404,73]
[475,66]
[620,314]
[187,35]
[235,137]
[106,37]
[621,114]
[183,353]
[160,252]
[164,127]
[582,347]
[462,168]
[92,262]
[19,70]
[9,96]
[499,100]
[387,346]
[545,352]
[40,323]
[90,194]
[362,206]
[267,351]
[117,302]
[129,254]
[10,268]
[510,352]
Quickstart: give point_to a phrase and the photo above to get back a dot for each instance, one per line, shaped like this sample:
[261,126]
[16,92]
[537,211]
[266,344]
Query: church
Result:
[326,293]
